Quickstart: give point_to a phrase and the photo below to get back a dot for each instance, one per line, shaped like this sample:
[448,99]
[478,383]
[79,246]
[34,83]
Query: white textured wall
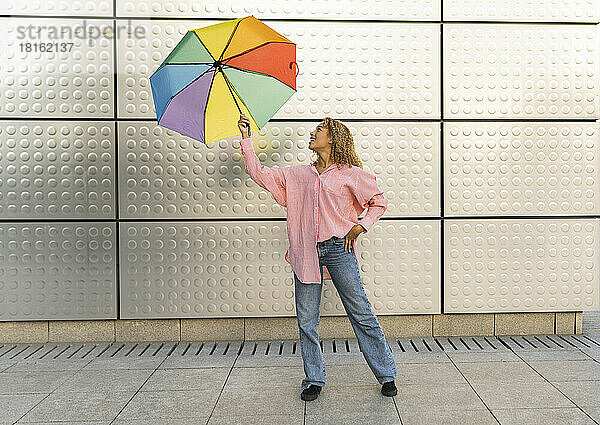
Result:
[479,119]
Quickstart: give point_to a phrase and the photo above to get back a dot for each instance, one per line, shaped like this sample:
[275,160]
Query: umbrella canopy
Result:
[219,71]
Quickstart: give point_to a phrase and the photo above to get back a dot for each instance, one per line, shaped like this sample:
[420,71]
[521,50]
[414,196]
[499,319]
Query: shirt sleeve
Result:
[364,188]
[271,179]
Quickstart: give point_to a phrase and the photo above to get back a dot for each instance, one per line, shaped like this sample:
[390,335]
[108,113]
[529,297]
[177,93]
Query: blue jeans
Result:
[345,274]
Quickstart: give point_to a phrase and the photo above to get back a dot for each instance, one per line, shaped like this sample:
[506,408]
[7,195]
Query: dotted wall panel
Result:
[291,9]
[521,71]
[521,265]
[57,7]
[163,174]
[58,271]
[58,169]
[347,70]
[512,168]
[69,77]
[522,10]
[238,269]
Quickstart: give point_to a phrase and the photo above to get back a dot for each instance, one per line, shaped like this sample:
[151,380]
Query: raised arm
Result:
[271,179]
[364,187]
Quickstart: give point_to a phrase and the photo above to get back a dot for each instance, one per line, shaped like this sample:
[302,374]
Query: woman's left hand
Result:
[353,234]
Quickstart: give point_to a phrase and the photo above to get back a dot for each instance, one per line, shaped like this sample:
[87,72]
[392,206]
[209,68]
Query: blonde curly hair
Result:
[342,148]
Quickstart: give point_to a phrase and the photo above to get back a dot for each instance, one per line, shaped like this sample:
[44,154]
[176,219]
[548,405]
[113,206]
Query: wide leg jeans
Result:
[345,274]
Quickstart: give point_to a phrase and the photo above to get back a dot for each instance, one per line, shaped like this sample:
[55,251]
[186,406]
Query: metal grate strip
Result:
[547,342]
[78,351]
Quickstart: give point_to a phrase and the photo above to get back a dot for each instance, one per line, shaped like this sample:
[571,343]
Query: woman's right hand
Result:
[244,126]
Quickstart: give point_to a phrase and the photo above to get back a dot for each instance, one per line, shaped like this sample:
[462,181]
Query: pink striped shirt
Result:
[318,206]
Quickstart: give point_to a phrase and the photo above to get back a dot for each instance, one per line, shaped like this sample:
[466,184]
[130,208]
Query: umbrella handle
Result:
[297,67]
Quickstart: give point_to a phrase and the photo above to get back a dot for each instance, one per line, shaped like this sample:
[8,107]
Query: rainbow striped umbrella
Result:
[219,71]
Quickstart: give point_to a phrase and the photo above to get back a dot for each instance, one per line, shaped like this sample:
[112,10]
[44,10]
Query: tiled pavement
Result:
[545,379]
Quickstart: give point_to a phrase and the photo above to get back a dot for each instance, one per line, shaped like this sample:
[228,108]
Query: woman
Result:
[323,201]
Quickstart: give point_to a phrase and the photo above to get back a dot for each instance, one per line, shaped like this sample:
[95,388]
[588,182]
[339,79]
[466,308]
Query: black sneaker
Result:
[389,389]
[310,393]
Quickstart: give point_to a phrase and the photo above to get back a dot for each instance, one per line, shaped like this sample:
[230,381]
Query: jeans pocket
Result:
[338,241]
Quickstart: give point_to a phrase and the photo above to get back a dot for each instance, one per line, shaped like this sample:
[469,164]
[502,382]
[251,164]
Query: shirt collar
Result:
[334,165]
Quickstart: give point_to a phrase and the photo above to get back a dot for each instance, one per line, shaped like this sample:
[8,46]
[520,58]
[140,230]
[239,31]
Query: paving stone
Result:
[593,412]
[499,371]
[195,362]
[163,421]
[43,365]
[101,363]
[275,376]
[5,365]
[565,355]
[161,405]
[339,376]
[412,398]
[266,400]
[258,361]
[497,356]
[432,373]
[77,406]
[593,353]
[582,393]
[423,357]
[583,370]
[256,420]
[505,395]
[33,382]
[344,359]
[106,422]
[448,417]
[375,417]
[16,405]
[351,404]
[187,379]
[106,380]
[557,416]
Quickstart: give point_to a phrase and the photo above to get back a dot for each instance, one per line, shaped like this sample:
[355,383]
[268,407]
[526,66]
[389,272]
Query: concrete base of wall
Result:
[249,329]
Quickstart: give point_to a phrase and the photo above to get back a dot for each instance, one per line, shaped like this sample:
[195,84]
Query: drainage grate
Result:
[89,351]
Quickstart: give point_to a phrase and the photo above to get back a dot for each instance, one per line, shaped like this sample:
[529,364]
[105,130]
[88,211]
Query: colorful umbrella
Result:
[217,72]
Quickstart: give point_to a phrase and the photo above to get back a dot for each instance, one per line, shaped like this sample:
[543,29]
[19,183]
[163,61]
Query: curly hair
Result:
[342,148]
